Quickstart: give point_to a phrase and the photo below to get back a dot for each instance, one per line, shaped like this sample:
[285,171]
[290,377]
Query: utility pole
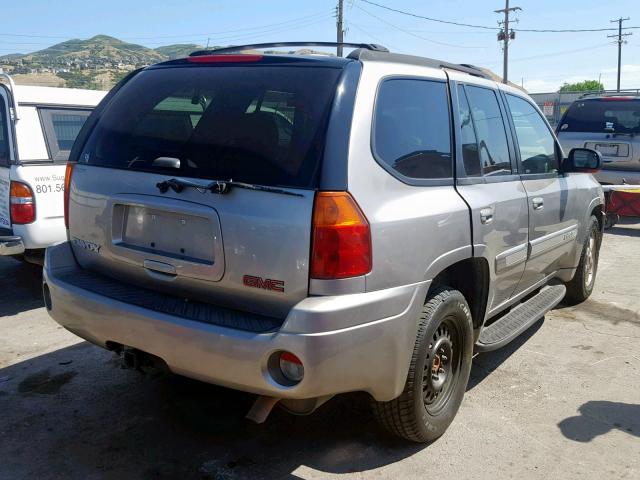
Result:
[340,31]
[619,41]
[504,36]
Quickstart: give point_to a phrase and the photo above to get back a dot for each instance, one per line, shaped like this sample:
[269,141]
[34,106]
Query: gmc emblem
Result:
[264,283]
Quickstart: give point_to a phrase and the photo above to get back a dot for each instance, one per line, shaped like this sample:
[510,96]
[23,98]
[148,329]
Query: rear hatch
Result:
[610,125]
[144,205]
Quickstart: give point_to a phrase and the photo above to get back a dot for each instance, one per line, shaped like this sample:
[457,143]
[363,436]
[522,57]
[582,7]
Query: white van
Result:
[38,126]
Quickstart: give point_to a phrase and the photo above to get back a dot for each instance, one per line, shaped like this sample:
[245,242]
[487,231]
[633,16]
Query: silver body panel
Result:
[351,334]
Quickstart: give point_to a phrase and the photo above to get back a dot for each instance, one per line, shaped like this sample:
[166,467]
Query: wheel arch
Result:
[471,277]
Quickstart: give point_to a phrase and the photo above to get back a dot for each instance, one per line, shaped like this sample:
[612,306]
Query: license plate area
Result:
[183,236]
[166,233]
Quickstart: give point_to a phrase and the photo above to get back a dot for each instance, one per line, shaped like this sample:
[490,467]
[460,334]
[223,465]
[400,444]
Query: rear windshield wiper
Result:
[218,186]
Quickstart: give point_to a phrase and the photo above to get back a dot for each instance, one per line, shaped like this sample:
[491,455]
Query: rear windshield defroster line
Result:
[259,125]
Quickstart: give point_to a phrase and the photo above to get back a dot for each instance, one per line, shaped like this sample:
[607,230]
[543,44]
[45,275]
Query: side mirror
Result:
[582,160]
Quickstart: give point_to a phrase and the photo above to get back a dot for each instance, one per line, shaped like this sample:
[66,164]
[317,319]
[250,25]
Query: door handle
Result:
[486,215]
[538,203]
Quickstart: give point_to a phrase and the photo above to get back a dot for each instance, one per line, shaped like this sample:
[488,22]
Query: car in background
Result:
[609,123]
[38,126]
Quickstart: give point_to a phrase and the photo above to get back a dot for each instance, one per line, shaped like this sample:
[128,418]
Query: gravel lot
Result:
[562,401]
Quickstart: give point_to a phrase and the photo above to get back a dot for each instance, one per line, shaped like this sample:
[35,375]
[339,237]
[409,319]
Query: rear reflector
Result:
[22,204]
[341,238]
[225,58]
[67,186]
[291,367]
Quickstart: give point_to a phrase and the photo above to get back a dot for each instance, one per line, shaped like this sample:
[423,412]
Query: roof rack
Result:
[609,93]
[367,46]
[364,54]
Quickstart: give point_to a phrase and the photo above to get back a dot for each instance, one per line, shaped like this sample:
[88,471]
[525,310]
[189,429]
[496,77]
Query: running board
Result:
[521,317]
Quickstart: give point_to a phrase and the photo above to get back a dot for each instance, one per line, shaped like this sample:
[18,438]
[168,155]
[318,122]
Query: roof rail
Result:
[235,48]
[363,54]
[609,93]
[13,104]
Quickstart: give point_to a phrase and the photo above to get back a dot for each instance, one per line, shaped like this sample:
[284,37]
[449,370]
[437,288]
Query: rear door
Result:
[488,181]
[553,222]
[610,125]
[142,208]
[6,155]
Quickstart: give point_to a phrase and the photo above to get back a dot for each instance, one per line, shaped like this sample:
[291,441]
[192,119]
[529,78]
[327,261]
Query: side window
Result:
[61,127]
[535,141]
[470,156]
[4,134]
[490,130]
[412,128]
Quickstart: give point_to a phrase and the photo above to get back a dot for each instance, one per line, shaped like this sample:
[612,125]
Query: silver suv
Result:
[303,226]
[611,125]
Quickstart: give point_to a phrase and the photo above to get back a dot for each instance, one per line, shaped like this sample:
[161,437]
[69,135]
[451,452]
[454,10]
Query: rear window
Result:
[61,127]
[623,116]
[258,124]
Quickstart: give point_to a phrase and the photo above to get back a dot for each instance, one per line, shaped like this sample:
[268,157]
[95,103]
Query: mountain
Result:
[101,49]
[178,50]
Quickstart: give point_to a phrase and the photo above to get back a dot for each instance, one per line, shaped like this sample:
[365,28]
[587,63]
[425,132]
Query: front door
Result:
[488,181]
[6,155]
[553,225]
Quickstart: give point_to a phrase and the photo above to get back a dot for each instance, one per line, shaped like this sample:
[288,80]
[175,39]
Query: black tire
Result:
[421,413]
[581,286]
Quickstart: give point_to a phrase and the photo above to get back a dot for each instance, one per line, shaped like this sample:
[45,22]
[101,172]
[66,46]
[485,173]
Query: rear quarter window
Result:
[258,124]
[412,129]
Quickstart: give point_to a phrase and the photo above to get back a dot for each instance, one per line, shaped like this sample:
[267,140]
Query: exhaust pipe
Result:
[130,359]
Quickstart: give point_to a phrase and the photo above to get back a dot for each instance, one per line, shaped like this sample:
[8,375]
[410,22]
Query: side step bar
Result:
[521,317]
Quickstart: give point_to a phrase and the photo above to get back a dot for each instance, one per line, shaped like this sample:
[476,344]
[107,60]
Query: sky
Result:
[540,61]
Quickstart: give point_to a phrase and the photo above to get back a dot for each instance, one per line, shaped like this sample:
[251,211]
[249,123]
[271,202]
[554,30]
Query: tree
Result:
[584,86]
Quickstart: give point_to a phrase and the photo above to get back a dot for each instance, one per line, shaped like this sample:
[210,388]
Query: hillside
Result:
[98,62]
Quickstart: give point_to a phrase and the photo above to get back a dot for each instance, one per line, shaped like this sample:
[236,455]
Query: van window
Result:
[412,128]
[61,127]
[535,141]
[4,134]
[260,124]
[490,130]
[600,115]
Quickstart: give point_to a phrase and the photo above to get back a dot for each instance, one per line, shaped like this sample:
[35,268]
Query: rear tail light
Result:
[67,184]
[22,203]
[341,238]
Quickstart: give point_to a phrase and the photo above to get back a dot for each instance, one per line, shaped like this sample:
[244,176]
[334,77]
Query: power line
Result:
[431,19]
[408,32]
[460,24]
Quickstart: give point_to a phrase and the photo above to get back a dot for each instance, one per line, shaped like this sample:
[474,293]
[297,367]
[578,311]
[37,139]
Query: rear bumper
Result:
[357,342]
[11,245]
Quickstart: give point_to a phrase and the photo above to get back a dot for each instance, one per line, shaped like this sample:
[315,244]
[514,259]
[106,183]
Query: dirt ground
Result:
[561,402]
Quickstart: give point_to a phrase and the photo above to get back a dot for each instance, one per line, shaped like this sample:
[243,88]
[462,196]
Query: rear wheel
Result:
[581,286]
[438,373]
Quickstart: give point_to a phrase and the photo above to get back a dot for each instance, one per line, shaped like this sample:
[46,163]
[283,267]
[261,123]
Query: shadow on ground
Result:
[600,417]
[86,417]
[20,287]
